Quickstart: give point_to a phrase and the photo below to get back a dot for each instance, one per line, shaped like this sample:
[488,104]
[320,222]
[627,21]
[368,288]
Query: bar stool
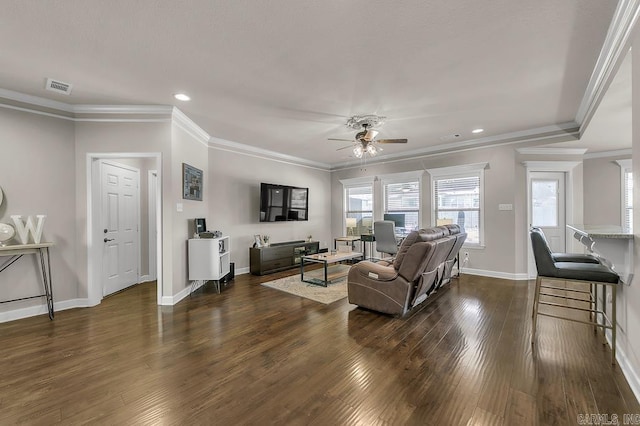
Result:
[594,274]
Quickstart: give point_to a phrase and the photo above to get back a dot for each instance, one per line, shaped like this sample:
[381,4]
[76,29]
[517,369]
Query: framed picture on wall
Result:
[192,183]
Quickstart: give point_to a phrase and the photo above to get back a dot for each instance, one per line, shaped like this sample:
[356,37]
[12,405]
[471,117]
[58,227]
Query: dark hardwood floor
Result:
[254,355]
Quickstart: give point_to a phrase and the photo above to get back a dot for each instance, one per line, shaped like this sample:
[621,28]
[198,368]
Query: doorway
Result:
[547,207]
[549,204]
[95,225]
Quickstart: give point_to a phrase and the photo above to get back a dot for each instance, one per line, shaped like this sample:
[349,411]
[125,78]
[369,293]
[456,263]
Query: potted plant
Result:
[265,238]
[309,238]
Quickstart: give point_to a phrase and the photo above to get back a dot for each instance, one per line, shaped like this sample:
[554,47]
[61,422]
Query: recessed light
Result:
[182,97]
[477,131]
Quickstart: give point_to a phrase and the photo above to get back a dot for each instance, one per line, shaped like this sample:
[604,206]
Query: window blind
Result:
[628,200]
[403,198]
[457,201]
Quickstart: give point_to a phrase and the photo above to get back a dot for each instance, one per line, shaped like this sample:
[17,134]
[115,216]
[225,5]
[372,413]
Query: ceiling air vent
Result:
[449,138]
[58,86]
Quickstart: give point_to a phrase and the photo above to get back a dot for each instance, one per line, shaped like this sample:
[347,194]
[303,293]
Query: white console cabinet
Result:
[209,259]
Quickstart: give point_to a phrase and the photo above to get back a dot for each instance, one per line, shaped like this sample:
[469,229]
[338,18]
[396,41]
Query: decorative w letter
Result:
[23,229]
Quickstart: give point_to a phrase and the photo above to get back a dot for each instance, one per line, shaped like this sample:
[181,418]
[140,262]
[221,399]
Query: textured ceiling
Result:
[284,75]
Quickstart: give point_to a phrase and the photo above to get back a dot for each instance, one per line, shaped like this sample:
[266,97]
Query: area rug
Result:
[334,292]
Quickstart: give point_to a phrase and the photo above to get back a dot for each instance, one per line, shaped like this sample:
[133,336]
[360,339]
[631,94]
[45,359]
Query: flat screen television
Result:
[283,203]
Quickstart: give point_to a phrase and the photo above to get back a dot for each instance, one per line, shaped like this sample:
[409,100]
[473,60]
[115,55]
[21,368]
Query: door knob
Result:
[106,240]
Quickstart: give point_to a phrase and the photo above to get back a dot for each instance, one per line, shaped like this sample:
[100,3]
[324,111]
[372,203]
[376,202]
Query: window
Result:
[627,208]
[544,202]
[458,199]
[627,193]
[403,198]
[359,209]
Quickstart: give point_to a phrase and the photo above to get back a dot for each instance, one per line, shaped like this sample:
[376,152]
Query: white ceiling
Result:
[284,75]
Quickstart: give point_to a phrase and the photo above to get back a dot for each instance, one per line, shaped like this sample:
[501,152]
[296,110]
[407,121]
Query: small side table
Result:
[349,240]
[367,238]
[15,252]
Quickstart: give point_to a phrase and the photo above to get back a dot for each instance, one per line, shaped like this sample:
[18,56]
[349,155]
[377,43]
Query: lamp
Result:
[351,224]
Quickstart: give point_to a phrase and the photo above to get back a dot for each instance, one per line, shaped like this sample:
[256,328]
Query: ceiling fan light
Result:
[358,151]
[371,150]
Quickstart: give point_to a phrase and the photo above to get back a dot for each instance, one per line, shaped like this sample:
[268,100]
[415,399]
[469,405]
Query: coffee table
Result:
[326,259]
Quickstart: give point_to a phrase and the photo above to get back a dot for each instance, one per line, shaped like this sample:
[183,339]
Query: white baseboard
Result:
[33,311]
[625,365]
[172,300]
[629,373]
[144,279]
[239,271]
[494,274]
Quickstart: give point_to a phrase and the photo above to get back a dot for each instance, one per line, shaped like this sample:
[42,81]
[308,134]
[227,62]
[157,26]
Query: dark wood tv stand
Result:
[280,256]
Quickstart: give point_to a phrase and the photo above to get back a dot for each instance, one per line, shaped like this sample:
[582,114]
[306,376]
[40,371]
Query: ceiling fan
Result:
[365,141]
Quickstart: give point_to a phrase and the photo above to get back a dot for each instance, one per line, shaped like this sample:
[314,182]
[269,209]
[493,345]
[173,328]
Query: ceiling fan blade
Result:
[345,140]
[392,141]
[344,147]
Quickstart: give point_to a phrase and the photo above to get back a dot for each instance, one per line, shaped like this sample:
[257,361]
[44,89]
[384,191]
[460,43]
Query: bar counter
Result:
[613,243]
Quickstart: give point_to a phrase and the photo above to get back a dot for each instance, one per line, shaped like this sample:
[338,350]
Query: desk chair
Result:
[385,234]
[594,274]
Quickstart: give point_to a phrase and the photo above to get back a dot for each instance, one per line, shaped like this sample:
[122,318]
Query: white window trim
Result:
[356,183]
[625,166]
[460,171]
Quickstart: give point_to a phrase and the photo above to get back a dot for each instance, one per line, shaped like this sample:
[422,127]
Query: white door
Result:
[120,226]
[547,207]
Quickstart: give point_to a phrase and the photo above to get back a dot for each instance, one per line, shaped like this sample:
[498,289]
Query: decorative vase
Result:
[7,232]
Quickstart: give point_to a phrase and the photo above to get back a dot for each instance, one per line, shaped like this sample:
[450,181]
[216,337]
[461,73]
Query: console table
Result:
[15,252]
[280,256]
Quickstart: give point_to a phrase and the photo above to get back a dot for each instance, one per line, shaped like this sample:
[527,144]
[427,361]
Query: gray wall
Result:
[122,137]
[37,177]
[185,149]
[234,197]
[602,191]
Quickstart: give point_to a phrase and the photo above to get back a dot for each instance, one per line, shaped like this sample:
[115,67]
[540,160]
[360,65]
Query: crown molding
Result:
[181,120]
[240,148]
[605,154]
[615,47]
[123,109]
[35,100]
[551,134]
[551,151]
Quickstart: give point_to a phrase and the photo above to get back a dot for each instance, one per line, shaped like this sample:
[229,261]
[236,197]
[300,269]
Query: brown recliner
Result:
[396,288]
[452,257]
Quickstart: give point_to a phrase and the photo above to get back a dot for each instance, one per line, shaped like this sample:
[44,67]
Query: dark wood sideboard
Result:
[280,256]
